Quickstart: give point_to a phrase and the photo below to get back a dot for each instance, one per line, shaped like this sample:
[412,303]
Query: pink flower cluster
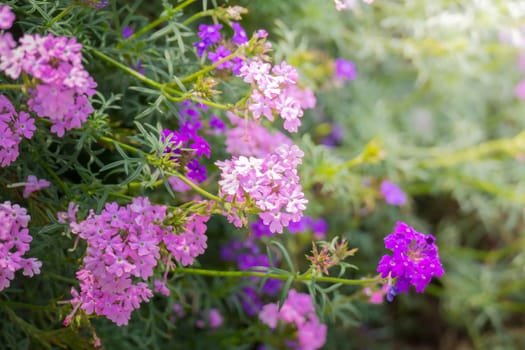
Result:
[62,85]
[124,245]
[299,312]
[14,243]
[13,126]
[274,91]
[271,183]
[249,138]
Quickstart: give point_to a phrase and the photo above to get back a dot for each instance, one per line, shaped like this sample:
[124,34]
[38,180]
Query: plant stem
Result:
[61,15]
[299,278]
[163,88]
[11,86]
[206,69]
[160,20]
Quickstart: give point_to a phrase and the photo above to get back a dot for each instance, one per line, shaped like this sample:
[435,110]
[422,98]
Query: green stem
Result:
[160,20]
[209,68]
[163,88]
[11,86]
[127,69]
[299,278]
[61,15]
[180,176]
[509,146]
[197,16]
[121,144]
[195,187]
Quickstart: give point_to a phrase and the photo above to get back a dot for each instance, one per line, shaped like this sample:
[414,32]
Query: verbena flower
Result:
[34,184]
[249,138]
[344,69]
[7,17]
[14,243]
[298,312]
[13,127]
[415,259]
[271,183]
[124,246]
[393,194]
[274,91]
[63,86]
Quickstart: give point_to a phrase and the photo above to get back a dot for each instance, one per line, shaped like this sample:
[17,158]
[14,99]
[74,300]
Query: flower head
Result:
[393,194]
[7,17]
[415,259]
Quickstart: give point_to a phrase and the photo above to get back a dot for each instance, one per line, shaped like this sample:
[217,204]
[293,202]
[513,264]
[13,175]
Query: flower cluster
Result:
[393,194]
[123,248]
[13,126]
[186,145]
[61,85]
[298,312]
[211,38]
[319,227]
[415,259]
[249,138]
[247,255]
[274,91]
[271,183]
[14,243]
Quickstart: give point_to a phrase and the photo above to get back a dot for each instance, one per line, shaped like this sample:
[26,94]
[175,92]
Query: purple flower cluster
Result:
[14,243]
[187,145]
[124,245]
[274,91]
[63,86]
[249,138]
[415,259]
[210,36]
[247,255]
[393,194]
[13,126]
[298,312]
[271,183]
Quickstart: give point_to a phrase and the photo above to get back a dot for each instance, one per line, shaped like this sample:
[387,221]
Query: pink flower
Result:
[33,184]
[7,17]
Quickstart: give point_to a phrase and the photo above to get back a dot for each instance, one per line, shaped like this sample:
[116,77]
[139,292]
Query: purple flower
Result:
[7,17]
[210,33]
[319,227]
[217,124]
[220,53]
[415,260]
[33,184]
[97,4]
[393,194]
[127,32]
[344,70]
[239,34]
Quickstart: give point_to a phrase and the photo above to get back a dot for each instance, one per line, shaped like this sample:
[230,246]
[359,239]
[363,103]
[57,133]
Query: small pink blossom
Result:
[34,184]
[7,17]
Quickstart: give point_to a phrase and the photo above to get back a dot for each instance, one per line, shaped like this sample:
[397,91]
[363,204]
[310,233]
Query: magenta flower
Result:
[415,260]
[393,194]
[7,17]
[299,313]
[344,69]
[14,243]
[33,184]
[124,246]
